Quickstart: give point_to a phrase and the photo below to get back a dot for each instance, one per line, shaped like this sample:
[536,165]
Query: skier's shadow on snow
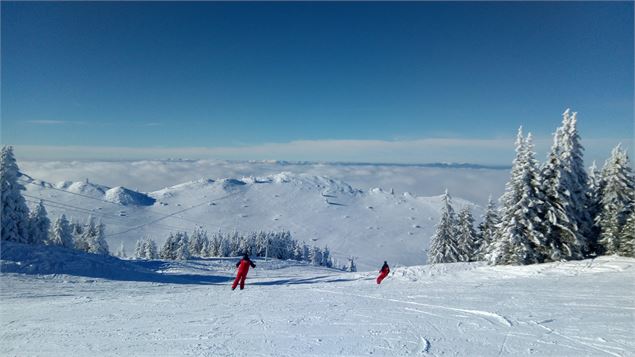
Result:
[157,276]
[311,280]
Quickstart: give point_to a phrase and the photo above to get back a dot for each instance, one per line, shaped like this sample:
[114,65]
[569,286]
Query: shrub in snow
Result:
[14,214]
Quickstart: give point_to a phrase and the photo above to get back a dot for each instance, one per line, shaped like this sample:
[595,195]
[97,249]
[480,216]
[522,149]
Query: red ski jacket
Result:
[385,269]
[243,266]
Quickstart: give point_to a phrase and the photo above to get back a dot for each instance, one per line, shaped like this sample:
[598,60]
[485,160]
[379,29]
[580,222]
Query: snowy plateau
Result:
[60,302]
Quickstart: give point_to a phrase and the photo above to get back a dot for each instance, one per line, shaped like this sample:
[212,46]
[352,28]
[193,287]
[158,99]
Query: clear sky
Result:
[383,82]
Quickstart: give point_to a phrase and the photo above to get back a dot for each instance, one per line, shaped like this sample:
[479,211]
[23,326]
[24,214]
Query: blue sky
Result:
[388,82]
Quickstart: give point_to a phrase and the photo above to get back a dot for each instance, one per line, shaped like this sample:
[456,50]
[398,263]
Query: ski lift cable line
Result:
[57,204]
[36,200]
[61,190]
[90,197]
[61,205]
[171,215]
[70,209]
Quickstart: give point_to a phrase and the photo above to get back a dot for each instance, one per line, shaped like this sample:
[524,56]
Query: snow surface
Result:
[372,225]
[579,308]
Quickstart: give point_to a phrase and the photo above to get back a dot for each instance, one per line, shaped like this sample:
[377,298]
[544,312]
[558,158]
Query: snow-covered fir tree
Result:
[146,248]
[326,257]
[121,252]
[617,200]
[444,246]
[92,238]
[139,250]
[576,179]
[14,213]
[560,228]
[627,237]
[97,243]
[316,256]
[467,243]
[234,244]
[176,247]
[298,251]
[198,240]
[39,224]
[61,233]
[351,265]
[306,253]
[213,248]
[594,205]
[151,250]
[519,239]
[224,248]
[85,233]
[487,230]
[76,229]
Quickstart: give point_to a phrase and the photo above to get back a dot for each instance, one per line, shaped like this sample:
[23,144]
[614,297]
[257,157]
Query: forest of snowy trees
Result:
[550,212]
[278,245]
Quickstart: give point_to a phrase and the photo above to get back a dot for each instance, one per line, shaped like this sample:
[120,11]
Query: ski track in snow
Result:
[486,314]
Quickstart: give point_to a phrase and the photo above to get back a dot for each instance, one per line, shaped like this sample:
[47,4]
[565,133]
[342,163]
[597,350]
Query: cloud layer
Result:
[498,151]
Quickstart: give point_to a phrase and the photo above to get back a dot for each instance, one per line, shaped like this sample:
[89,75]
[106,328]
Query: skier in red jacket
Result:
[383,272]
[243,268]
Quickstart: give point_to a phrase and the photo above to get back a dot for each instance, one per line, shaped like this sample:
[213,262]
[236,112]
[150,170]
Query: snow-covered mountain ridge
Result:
[373,225]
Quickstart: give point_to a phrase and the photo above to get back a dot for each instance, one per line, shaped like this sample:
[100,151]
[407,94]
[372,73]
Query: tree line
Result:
[278,245]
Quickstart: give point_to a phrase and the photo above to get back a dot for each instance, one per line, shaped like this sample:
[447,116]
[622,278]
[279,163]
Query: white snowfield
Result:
[157,308]
[372,225]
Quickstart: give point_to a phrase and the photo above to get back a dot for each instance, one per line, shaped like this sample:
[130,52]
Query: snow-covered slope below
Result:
[40,259]
[373,225]
[580,308]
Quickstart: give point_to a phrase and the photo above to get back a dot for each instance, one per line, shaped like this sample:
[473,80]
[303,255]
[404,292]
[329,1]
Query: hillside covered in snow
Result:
[372,225]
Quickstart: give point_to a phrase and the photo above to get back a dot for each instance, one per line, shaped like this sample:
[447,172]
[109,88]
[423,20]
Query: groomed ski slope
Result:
[582,308]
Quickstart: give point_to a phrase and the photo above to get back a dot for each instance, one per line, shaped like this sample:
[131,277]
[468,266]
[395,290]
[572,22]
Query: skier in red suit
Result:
[383,272]
[243,269]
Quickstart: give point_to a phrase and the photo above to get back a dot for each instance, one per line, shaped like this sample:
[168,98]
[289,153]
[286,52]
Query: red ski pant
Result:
[381,276]
[240,277]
